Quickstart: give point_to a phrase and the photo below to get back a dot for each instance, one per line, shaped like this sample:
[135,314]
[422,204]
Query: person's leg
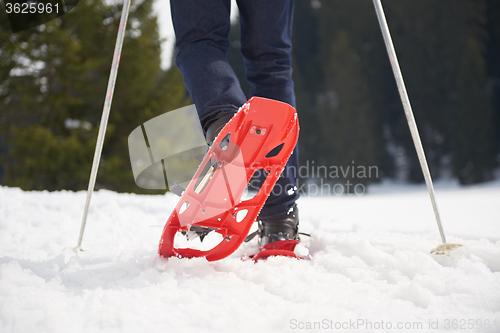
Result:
[201,29]
[266,33]
[266,45]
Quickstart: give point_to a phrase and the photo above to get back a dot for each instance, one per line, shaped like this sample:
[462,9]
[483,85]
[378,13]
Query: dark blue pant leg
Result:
[202,29]
[266,38]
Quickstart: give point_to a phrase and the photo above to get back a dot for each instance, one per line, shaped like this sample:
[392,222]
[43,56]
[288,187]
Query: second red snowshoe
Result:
[284,248]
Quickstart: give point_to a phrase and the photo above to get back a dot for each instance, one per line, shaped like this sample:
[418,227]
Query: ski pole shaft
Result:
[105,115]
[408,110]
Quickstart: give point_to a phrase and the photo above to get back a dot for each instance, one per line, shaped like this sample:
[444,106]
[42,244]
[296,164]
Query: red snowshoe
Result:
[284,248]
[261,136]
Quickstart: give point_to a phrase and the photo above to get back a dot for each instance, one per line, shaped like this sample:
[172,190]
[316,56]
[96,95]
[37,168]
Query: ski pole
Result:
[443,248]
[105,116]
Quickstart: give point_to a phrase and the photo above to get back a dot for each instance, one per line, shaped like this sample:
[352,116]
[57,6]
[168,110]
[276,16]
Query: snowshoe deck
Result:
[261,136]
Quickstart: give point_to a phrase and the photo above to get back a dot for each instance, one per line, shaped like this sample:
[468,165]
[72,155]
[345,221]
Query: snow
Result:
[371,268]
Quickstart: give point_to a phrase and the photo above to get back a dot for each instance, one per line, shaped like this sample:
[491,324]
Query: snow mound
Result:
[371,269]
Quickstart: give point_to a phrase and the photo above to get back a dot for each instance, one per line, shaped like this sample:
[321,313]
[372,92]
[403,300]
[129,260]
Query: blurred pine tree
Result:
[342,122]
[441,47]
[53,80]
[493,65]
[53,84]
[448,53]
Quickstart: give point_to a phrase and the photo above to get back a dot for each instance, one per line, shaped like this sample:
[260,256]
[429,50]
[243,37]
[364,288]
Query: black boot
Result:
[272,230]
[215,128]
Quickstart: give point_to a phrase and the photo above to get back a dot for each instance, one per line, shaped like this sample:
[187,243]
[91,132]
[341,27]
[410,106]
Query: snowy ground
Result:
[371,268]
